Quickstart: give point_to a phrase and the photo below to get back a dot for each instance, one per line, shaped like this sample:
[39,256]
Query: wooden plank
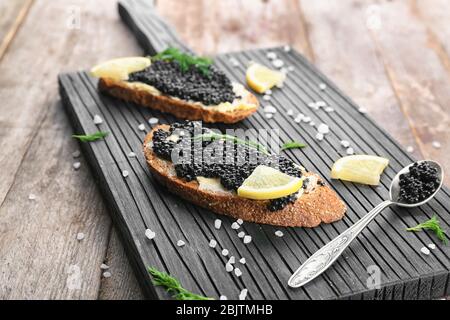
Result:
[40,248]
[13,14]
[226,26]
[419,76]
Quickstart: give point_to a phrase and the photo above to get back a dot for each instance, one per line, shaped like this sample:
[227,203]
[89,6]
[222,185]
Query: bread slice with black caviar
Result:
[183,85]
[319,205]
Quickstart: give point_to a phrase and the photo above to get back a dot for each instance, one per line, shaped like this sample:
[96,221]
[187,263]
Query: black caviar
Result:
[419,183]
[231,173]
[210,89]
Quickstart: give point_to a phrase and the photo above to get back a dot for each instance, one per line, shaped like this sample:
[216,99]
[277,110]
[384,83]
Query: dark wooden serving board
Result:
[138,202]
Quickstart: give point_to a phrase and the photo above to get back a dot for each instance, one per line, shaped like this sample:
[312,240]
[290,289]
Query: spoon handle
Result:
[324,258]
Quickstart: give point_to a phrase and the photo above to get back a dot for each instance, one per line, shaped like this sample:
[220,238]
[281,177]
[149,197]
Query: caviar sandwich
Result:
[246,183]
[186,86]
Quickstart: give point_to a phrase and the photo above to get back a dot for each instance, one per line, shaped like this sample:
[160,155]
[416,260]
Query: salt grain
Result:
[232,260]
[312,123]
[80,236]
[362,110]
[321,104]
[312,105]
[329,109]
[97,119]
[271,55]
[141,127]
[240,221]
[32,196]
[410,149]
[290,112]
[306,119]
[104,266]
[269,115]
[222,297]
[291,68]
[323,128]
[266,97]
[180,243]
[243,294]
[132,155]
[247,239]
[243,261]
[229,267]
[268,92]
[350,151]
[76,154]
[153,121]
[270,109]
[107,274]
[217,224]
[277,63]
[322,86]
[150,234]
[319,136]
[76,165]
[436,144]
[234,62]
[235,226]
[425,251]
[432,246]
[241,234]
[238,272]
[279,233]
[125,173]
[345,143]
[212,243]
[225,252]
[287,48]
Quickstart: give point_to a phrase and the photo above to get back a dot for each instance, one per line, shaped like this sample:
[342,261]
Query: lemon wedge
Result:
[119,69]
[261,78]
[268,183]
[363,169]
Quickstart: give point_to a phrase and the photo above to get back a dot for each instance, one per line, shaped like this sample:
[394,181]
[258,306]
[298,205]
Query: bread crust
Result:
[320,205]
[179,108]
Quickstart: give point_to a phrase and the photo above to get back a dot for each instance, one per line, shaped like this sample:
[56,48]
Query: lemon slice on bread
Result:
[267,183]
[119,69]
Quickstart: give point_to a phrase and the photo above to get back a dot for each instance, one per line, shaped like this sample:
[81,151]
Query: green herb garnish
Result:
[292,145]
[91,137]
[173,286]
[434,225]
[216,136]
[185,60]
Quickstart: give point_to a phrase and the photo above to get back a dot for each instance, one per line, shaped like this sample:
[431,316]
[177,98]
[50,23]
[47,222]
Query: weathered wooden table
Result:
[392,57]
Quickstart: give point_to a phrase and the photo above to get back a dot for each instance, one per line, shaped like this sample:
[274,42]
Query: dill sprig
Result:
[292,145]
[434,225]
[91,137]
[185,60]
[215,136]
[173,286]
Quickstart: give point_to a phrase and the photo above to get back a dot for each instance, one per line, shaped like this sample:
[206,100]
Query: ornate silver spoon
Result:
[324,257]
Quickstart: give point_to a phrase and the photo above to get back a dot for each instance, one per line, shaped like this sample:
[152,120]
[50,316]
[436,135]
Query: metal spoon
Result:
[324,258]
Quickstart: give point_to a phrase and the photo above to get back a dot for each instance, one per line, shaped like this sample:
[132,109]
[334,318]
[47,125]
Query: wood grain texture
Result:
[42,257]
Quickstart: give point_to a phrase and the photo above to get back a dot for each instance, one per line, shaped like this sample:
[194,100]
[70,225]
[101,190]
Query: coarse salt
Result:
[107,274]
[241,234]
[436,144]
[229,267]
[243,261]
[267,97]
[132,155]
[345,143]
[432,246]
[32,196]
[306,119]
[235,226]
[237,272]
[247,239]
[425,251]
[104,266]
[321,104]
[268,92]
[290,112]
[234,62]
[271,55]
[319,136]
[76,165]
[362,110]
[141,127]
[291,68]
[212,243]
[287,48]
[125,173]
[329,109]
[240,221]
[279,233]
[217,224]
[322,86]
[278,63]
[323,128]
[153,121]
[350,151]
[270,109]
[410,149]
[76,154]
[225,252]
[180,243]
[222,297]
[312,105]
[80,236]
[243,294]
[232,260]
[312,123]
[150,234]
[97,119]
[269,115]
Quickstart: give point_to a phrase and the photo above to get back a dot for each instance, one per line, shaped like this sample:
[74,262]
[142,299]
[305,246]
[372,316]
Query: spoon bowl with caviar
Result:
[413,186]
